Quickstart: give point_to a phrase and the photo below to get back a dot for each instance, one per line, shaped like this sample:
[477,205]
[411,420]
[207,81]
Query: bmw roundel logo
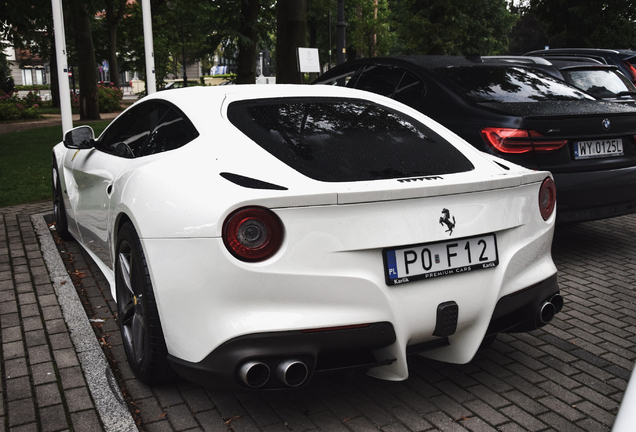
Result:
[606,124]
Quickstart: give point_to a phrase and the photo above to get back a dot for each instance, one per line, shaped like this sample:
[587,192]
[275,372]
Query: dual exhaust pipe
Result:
[550,308]
[255,374]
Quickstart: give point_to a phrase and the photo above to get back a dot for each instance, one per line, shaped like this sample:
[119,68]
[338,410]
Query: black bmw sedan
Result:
[522,115]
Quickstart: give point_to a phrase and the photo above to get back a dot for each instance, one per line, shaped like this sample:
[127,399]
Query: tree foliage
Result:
[369,34]
[455,27]
[587,23]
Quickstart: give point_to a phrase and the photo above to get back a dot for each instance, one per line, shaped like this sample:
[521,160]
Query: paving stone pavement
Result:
[568,376]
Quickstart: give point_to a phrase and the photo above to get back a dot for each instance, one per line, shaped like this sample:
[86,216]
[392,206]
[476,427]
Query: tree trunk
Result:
[113,18]
[87,66]
[112,55]
[246,60]
[291,34]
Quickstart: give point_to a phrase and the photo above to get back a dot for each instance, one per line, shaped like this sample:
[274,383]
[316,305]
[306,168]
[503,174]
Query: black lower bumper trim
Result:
[519,312]
[319,350]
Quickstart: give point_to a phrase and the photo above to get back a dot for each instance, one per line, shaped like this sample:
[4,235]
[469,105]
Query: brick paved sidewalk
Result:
[46,384]
[568,376]
[42,382]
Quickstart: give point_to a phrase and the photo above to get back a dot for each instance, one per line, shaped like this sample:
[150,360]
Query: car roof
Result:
[624,53]
[568,64]
[439,61]
[517,59]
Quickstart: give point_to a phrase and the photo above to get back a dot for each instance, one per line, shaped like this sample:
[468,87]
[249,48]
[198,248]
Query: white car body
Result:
[329,271]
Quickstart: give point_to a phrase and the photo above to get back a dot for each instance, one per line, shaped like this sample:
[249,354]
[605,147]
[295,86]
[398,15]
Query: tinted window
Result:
[344,79]
[171,132]
[601,83]
[509,84]
[335,140]
[393,82]
[146,129]
[380,80]
[410,90]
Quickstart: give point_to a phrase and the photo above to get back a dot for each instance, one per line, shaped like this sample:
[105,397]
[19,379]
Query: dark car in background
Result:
[601,80]
[521,114]
[624,59]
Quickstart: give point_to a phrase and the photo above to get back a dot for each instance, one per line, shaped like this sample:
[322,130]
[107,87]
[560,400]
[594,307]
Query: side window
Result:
[127,135]
[380,79]
[172,131]
[147,129]
[342,80]
[410,90]
[393,82]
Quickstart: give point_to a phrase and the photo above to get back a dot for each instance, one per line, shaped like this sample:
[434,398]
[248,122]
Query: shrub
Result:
[15,108]
[109,99]
[32,99]
[75,100]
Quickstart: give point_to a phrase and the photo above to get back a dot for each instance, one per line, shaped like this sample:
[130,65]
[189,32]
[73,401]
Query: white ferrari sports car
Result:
[257,235]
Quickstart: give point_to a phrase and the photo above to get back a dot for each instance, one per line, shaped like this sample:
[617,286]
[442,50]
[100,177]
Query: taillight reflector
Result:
[252,234]
[508,140]
[547,198]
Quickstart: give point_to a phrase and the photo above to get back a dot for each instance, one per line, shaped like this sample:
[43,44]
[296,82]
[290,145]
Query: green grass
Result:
[50,110]
[25,163]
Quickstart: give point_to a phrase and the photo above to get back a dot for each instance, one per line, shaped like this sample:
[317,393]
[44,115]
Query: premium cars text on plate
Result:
[256,235]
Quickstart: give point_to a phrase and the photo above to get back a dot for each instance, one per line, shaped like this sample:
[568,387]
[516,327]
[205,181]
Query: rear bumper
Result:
[335,349]
[595,195]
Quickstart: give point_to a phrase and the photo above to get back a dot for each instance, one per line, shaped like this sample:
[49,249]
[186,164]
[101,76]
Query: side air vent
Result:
[503,166]
[248,182]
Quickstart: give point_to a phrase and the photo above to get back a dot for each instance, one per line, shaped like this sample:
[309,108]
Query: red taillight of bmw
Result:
[252,234]
[547,198]
[631,69]
[508,140]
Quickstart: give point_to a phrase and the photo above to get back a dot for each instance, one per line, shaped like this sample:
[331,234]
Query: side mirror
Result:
[81,137]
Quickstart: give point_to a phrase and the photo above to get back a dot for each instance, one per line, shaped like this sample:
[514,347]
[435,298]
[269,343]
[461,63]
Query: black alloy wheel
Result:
[138,316]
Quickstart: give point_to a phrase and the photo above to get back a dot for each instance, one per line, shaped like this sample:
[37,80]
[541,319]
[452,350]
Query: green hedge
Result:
[32,87]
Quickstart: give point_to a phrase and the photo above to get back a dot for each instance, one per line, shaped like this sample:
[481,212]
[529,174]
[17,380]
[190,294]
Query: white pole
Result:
[148,44]
[62,66]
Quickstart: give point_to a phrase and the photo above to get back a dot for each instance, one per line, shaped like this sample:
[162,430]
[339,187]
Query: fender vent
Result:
[248,182]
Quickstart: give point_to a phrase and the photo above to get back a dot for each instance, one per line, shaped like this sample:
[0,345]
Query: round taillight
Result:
[547,198]
[252,234]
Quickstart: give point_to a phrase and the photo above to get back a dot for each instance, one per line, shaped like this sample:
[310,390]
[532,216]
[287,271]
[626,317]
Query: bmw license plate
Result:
[598,148]
[431,260]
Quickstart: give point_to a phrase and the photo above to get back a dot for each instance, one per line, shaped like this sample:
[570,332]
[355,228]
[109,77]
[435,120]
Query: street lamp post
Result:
[341,27]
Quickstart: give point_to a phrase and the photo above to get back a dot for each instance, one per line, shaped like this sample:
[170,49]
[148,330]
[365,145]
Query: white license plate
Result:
[431,260]
[598,148]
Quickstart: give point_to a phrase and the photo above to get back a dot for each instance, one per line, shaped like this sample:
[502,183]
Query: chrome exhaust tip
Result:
[254,374]
[547,312]
[292,373]
[557,301]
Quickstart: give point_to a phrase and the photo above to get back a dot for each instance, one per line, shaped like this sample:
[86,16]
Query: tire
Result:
[137,312]
[59,211]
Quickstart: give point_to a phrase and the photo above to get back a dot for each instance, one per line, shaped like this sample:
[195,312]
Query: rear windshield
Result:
[336,140]
[601,83]
[510,84]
